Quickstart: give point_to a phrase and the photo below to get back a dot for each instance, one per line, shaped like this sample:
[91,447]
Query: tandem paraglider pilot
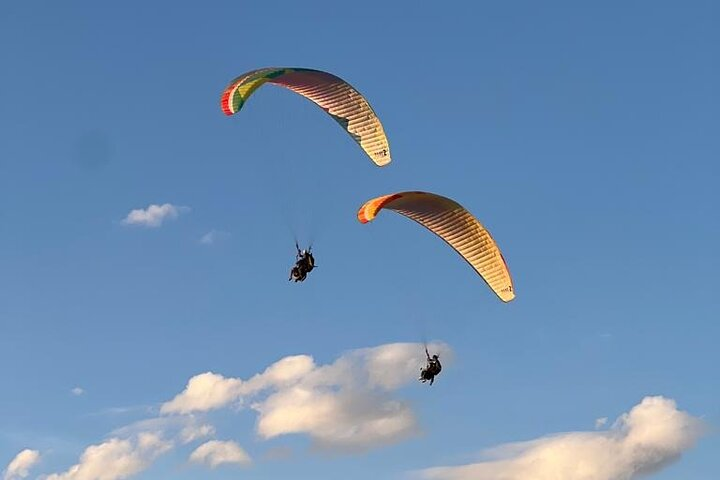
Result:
[432,369]
[304,264]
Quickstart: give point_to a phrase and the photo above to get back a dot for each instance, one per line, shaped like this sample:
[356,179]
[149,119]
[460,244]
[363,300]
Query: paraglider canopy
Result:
[331,93]
[456,226]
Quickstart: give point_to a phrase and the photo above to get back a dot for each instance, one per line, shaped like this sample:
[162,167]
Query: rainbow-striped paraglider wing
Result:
[334,95]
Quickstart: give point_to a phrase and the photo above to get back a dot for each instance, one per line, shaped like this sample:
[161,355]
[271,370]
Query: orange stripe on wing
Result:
[371,208]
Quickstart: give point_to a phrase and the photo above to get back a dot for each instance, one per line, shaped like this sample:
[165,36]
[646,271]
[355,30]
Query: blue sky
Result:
[583,136]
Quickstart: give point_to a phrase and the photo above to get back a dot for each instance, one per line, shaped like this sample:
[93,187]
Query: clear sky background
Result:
[585,137]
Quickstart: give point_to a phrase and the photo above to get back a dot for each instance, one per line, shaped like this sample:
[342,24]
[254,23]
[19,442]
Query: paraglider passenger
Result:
[297,274]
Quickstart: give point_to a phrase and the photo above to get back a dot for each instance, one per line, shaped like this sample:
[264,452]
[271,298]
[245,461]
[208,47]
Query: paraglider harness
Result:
[304,263]
[433,368]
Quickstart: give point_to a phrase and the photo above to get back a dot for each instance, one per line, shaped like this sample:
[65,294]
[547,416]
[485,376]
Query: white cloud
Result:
[213,236]
[215,453]
[284,372]
[653,434]
[116,459]
[345,405]
[193,432]
[601,422]
[20,466]
[345,420]
[204,392]
[77,391]
[154,215]
[210,391]
[133,448]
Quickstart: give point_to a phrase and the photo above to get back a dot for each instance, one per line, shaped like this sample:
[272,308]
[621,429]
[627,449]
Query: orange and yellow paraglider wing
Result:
[457,227]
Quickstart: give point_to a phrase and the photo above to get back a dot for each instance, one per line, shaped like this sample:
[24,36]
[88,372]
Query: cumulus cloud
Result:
[133,448]
[77,391]
[346,405]
[20,466]
[600,422]
[193,432]
[215,453]
[653,434]
[204,392]
[282,373]
[154,215]
[116,458]
[346,420]
[210,391]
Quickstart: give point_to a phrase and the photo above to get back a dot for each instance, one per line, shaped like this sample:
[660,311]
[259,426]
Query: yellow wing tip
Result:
[384,162]
[507,294]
